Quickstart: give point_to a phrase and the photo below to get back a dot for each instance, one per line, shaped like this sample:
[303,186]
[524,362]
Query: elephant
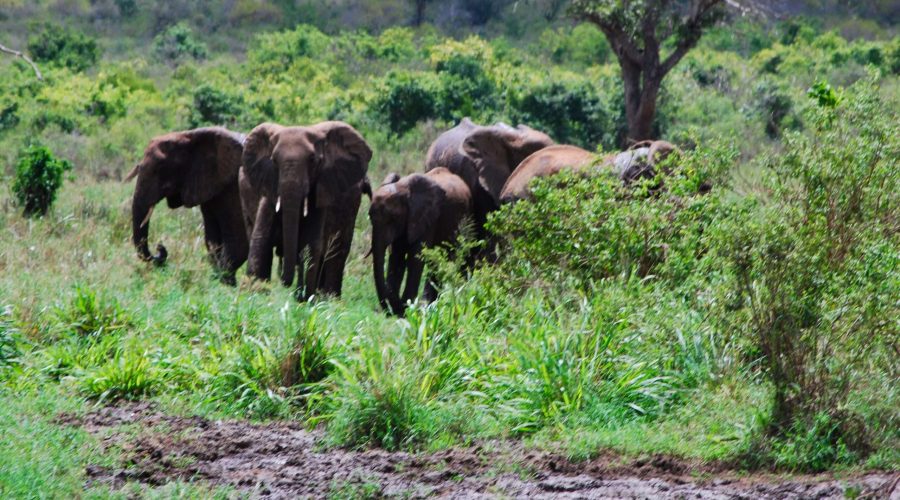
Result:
[484,157]
[190,168]
[408,214]
[301,189]
[543,163]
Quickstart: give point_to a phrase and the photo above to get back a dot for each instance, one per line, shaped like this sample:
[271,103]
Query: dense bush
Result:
[403,101]
[571,113]
[64,47]
[817,271]
[212,106]
[177,43]
[39,175]
[464,88]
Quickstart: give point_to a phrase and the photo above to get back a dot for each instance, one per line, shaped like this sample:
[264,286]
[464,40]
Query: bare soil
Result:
[284,460]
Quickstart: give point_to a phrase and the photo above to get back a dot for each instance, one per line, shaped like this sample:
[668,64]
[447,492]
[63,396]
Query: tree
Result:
[638,31]
[419,14]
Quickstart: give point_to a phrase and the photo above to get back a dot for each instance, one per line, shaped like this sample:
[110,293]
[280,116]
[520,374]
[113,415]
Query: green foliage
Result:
[215,107]
[9,341]
[814,271]
[775,106]
[464,87]
[404,101]
[584,45]
[39,175]
[9,117]
[177,43]
[571,113]
[64,47]
[88,314]
[128,375]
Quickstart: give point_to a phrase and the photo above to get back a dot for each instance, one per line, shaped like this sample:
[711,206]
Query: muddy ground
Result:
[284,460]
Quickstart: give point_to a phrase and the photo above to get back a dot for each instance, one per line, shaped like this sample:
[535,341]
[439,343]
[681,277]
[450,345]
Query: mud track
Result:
[283,460]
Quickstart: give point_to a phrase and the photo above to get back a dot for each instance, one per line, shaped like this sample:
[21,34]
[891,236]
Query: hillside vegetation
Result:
[756,325]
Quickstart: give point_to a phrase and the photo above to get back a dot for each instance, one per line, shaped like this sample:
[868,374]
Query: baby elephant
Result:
[408,214]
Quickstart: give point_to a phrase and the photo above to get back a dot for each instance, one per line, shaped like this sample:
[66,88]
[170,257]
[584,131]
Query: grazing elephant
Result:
[301,189]
[190,168]
[484,157]
[408,214]
[640,161]
[545,162]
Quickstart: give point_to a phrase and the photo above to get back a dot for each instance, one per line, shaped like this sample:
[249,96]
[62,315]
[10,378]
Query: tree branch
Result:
[16,53]
[620,40]
[693,30]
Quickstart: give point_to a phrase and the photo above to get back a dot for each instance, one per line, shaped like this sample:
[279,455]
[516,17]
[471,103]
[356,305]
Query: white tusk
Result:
[147,218]
[278,205]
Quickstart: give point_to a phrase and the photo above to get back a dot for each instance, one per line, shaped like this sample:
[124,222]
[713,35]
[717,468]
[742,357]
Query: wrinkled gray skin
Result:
[409,214]
[190,168]
[301,189]
[641,160]
[484,157]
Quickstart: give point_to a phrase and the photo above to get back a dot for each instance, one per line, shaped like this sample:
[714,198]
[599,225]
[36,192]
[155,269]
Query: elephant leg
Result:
[343,223]
[213,235]
[233,246]
[260,260]
[431,287]
[315,225]
[414,267]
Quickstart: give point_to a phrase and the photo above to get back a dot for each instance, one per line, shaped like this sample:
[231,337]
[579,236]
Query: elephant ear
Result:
[259,168]
[487,147]
[211,158]
[343,157]
[425,201]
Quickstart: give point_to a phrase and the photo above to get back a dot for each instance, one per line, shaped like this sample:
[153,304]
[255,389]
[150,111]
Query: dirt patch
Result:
[282,460]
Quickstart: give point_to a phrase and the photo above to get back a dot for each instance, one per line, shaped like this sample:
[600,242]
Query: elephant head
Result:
[295,167]
[497,150]
[187,169]
[403,212]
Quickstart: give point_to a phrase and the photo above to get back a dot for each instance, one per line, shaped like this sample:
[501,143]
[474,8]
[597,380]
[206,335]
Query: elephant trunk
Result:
[141,210]
[292,195]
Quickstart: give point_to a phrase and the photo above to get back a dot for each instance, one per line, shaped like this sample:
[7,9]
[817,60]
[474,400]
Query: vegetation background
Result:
[757,325]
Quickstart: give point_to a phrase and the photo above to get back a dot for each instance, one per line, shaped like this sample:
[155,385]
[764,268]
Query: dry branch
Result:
[16,53]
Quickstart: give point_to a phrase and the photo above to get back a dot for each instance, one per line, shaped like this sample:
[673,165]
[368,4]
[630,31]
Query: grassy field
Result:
[755,327]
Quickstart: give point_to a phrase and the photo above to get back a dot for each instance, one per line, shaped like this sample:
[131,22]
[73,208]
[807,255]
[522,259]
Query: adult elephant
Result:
[545,162]
[301,189]
[484,157]
[190,168]
[409,214]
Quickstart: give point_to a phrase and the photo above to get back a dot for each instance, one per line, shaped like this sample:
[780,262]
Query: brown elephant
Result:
[641,161]
[190,168]
[484,157]
[301,189]
[409,214]
[545,162]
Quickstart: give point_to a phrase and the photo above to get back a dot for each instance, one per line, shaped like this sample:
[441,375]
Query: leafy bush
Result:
[584,44]
[177,43]
[272,52]
[464,88]
[775,105]
[816,268]
[404,101]
[64,47]
[571,113]
[9,116]
[215,107]
[39,175]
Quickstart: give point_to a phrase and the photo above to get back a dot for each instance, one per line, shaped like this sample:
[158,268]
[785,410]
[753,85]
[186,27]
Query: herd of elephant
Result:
[295,192]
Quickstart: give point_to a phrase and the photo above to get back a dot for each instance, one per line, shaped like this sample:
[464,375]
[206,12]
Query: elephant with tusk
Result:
[301,188]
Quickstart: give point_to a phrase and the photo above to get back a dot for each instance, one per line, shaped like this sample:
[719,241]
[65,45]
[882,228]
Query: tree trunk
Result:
[641,92]
[419,17]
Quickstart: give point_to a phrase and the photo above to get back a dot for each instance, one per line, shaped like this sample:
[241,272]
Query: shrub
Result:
[177,43]
[404,101]
[215,107]
[775,106]
[571,113]
[464,88]
[584,44]
[39,175]
[9,116]
[276,51]
[817,272]
[64,47]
